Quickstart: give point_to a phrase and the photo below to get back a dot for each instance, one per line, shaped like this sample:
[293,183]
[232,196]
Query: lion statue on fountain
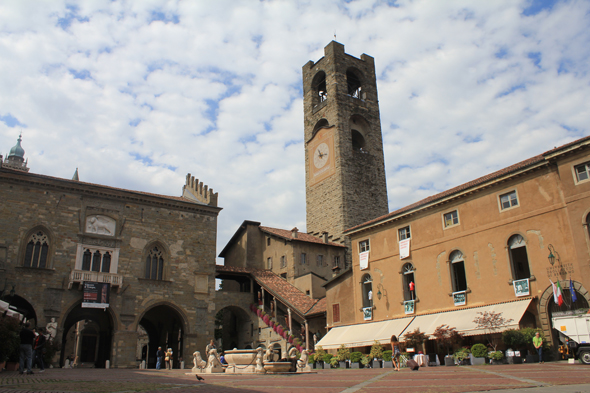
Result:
[198,362]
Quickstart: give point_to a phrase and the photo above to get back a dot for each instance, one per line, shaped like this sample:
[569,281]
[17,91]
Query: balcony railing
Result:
[79,276]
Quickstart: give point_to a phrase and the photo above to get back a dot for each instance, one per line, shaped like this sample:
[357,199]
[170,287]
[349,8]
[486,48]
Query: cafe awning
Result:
[363,334]
[462,319]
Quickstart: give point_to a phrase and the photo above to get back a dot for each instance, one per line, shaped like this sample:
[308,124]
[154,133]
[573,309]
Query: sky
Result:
[136,94]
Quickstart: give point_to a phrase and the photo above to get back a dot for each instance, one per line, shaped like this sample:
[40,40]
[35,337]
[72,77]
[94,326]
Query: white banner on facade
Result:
[404,248]
[364,260]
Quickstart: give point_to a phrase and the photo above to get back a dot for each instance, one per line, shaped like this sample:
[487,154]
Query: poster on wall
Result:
[368,313]
[459,298]
[364,260]
[96,294]
[521,287]
[409,306]
[404,248]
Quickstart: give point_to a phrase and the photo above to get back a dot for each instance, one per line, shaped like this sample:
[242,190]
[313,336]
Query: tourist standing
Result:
[39,349]
[168,359]
[538,343]
[27,337]
[159,358]
[395,352]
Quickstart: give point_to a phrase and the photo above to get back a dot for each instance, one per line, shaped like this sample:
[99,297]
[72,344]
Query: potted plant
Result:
[496,357]
[376,354]
[343,355]
[387,362]
[334,363]
[479,352]
[319,357]
[446,337]
[365,360]
[311,359]
[327,360]
[462,356]
[355,359]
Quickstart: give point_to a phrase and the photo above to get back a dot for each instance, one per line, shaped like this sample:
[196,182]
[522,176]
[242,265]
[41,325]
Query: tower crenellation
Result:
[195,190]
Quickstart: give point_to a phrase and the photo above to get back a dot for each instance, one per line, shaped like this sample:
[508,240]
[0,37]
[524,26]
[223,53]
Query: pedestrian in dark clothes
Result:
[27,338]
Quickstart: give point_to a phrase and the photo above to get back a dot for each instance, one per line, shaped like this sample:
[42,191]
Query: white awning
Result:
[363,334]
[462,320]
[5,308]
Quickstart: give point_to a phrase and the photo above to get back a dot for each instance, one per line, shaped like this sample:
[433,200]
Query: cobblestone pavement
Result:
[548,377]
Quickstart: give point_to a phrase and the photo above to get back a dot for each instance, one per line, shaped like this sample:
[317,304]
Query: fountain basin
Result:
[277,367]
[240,361]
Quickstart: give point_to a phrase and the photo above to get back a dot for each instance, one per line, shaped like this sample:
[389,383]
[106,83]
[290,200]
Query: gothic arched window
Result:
[154,264]
[519,260]
[37,250]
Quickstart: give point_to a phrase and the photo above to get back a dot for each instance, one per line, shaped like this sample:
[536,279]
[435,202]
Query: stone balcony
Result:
[79,276]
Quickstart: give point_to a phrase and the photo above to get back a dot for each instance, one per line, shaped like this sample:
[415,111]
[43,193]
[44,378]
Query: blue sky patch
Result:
[536,6]
[82,74]
[11,121]
[134,122]
[145,160]
[536,58]
[521,86]
[502,53]
[70,16]
[163,17]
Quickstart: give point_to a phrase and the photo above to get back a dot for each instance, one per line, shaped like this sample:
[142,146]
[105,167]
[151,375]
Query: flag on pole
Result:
[574,297]
[554,291]
[559,294]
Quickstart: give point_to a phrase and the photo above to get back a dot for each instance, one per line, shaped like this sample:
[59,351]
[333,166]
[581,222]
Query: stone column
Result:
[290,321]
[306,335]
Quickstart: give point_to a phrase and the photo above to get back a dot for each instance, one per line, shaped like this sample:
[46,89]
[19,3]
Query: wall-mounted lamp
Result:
[553,255]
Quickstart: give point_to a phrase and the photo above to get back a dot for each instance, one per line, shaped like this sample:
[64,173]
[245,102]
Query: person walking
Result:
[27,337]
[395,352]
[168,359]
[538,343]
[39,349]
[159,358]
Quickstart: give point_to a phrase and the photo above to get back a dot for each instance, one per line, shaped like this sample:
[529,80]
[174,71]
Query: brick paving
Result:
[549,377]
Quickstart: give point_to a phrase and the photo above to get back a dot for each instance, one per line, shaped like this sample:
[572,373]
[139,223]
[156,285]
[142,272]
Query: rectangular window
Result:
[336,262]
[320,261]
[268,241]
[269,263]
[582,171]
[363,246]
[404,233]
[451,219]
[335,313]
[508,200]
[303,258]
[283,261]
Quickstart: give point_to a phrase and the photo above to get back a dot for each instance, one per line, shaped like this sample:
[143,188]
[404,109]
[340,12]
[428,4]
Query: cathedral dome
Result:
[17,150]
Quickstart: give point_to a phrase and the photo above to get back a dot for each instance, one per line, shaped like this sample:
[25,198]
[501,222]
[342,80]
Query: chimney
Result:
[294,233]
[325,237]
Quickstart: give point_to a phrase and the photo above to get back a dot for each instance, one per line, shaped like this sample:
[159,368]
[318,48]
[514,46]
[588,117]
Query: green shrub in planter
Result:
[319,354]
[376,350]
[479,351]
[496,355]
[311,358]
[343,353]
[356,357]
[328,358]
[366,359]
[387,355]
[334,362]
[462,354]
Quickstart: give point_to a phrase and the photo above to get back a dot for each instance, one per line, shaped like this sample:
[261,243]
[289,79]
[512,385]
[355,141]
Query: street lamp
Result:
[553,255]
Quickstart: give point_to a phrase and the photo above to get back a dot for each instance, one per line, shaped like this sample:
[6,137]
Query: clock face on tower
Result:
[321,155]
[320,152]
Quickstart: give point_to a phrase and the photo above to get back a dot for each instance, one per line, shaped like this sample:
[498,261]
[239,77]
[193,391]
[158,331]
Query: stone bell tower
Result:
[345,169]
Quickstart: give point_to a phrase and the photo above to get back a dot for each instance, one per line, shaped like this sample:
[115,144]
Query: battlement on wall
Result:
[193,189]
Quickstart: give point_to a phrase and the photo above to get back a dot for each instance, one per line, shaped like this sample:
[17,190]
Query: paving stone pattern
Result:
[548,376]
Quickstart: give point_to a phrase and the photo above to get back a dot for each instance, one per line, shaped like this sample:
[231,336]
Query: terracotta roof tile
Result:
[319,307]
[301,236]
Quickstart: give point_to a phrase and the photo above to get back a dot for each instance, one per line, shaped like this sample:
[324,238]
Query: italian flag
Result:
[558,294]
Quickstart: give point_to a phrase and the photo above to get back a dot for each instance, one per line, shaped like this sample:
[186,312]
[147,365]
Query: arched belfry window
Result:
[407,278]
[320,92]
[458,276]
[519,260]
[367,290]
[354,84]
[154,263]
[358,142]
[359,127]
[320,124]
[37,250]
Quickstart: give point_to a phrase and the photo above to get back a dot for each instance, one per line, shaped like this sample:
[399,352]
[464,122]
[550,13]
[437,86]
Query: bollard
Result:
[182,365]
[67,363]
[143,364]
[107,365]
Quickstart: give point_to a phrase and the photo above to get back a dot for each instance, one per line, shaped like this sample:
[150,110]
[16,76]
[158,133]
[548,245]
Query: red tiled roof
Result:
[279,287]
[301,236]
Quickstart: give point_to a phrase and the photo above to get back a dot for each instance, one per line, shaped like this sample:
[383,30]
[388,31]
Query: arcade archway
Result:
[87,337]
[19,304]
[165,328]
[236,328]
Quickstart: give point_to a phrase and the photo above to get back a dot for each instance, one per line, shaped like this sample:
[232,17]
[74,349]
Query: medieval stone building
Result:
[118,261]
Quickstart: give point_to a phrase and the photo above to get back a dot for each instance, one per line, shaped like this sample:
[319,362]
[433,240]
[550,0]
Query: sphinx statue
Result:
[292,353]
[259,362]
[302,365]
[213,363]
[198,363]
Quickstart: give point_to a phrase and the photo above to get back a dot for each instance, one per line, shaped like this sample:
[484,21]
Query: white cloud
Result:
[137,94]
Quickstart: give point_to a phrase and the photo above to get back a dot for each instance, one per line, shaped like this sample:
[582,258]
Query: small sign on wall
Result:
[368,313]
[521,287]
[364,260]
[409,306]
[96,295]
[459,298]
[404,248]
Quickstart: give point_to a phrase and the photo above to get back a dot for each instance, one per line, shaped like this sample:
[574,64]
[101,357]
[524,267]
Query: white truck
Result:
[574,331]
